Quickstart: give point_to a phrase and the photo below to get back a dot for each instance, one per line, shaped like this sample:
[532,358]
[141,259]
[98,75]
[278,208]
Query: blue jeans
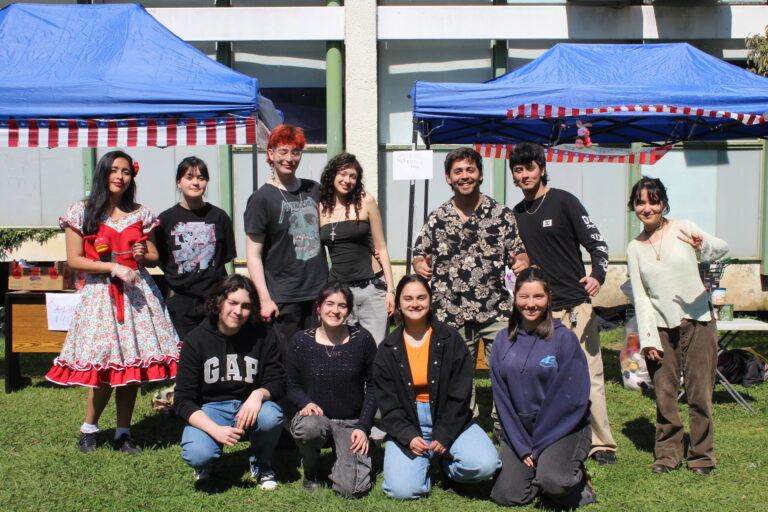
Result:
[201,451]
[471,458]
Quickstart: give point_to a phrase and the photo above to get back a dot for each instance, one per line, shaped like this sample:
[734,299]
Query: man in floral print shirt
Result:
[463,249]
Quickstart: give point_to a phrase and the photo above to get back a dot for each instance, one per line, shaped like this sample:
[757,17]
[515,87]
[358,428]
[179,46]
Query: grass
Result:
[41,468]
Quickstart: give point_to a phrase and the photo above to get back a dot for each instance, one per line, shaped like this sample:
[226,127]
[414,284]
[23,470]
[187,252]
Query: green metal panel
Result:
[89,164]
[633,174]
[334,87]
[226,178]
[499,189]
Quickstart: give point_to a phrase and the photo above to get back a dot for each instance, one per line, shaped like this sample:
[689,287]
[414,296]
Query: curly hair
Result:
[221,290]
[355,196]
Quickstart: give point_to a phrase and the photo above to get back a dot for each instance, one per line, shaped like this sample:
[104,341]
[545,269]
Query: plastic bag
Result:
[634,372]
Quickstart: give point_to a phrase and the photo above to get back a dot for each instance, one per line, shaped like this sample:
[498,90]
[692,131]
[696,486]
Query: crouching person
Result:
[229,378]
[330,382]
[423,377]
[541,388]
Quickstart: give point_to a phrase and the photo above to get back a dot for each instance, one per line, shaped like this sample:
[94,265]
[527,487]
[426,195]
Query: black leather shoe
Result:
[662,468]
[604,457]
[87,442]
[702,471]
[126,444]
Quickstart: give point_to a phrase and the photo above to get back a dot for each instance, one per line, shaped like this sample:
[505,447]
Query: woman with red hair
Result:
[285,259]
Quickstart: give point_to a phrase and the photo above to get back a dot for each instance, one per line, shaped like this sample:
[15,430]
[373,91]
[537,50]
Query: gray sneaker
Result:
[87,442]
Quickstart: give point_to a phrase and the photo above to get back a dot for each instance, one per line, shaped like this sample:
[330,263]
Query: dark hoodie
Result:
[214,367]
[541,388]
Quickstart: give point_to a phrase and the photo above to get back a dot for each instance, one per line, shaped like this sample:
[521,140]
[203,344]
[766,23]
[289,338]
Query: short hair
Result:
[526,153]
[546,327]
[335,287]
[657,193]
[406,280]
[463,154]
[287,134]
[221,290]
[192,162]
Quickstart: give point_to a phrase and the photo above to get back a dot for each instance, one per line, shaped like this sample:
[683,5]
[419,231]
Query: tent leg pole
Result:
[409,248]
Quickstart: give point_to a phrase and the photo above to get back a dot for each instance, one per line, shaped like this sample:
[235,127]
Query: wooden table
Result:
[26,330]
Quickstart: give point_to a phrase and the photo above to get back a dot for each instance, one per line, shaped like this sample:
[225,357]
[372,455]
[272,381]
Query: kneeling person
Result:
[330,382]
[229,378]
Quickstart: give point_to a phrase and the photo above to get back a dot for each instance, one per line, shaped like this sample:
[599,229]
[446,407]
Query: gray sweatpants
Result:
[351,472]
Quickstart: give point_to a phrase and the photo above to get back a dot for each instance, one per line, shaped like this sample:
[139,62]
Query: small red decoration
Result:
[135,168]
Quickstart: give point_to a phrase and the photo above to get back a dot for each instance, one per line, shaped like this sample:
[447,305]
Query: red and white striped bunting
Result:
[647,157]
[53,133]
[539,111]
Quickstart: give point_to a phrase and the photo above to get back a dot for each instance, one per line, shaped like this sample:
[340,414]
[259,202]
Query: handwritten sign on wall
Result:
[60,308]
[412,165]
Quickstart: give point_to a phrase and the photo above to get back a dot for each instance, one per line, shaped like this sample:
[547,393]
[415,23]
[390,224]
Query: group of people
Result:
[302,348]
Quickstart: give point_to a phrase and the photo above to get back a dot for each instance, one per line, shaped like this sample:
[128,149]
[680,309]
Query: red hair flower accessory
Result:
[135,168]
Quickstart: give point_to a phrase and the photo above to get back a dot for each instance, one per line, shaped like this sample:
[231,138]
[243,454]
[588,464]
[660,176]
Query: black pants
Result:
[292,318]
[559,474]
[186,312]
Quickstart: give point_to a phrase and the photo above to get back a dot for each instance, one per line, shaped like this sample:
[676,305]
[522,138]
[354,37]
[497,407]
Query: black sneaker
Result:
[126,444]
[604,457]
[87,443]
[310,483]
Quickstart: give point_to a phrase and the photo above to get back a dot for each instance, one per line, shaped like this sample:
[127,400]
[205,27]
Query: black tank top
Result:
[350,248]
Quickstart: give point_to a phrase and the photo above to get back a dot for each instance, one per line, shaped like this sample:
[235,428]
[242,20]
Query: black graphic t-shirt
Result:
[194,245]
[553,227]
[294,261]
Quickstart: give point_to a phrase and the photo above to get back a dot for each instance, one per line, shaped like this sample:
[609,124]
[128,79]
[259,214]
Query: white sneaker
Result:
[266,481]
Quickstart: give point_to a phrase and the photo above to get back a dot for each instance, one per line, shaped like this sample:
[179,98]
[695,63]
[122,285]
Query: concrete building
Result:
[343,70]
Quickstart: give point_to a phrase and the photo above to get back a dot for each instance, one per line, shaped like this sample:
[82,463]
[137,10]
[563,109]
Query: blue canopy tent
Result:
[655,93]
[112,75]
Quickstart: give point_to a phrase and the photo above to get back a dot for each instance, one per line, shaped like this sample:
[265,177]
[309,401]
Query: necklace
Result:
[277,184]
[537,208]
[333,343]
[661,238]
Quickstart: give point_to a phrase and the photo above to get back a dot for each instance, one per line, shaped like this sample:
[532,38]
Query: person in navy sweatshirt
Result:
[541,387]
[229,380]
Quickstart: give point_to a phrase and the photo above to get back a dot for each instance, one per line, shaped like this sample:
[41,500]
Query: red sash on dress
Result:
[120,243]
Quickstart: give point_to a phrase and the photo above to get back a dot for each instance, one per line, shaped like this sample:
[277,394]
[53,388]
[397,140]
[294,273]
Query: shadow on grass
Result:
[611,365]
[641,432]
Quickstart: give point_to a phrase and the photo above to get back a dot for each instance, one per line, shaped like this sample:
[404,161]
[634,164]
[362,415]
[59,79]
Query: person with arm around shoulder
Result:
[540,383]
[285,258]
[351,228]
[230,378]
[121,334]
[676,326]
[423,376]
[330,383]
[554,226]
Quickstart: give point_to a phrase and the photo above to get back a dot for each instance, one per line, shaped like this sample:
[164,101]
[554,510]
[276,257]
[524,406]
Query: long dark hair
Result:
[546,327]
[355,196]
[407,279]
[98,202]
[192,162]
[221,290]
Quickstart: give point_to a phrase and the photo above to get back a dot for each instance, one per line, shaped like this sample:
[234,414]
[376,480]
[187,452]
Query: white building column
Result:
[361,109]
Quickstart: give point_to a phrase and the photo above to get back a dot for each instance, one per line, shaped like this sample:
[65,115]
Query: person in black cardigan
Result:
[330,382]
[423,377]
[229,379]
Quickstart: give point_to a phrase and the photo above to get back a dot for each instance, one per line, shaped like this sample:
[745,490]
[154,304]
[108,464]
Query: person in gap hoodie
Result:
[541,386]
[230,377]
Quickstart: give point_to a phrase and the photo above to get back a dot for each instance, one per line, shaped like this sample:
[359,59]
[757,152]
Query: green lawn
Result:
[41,468]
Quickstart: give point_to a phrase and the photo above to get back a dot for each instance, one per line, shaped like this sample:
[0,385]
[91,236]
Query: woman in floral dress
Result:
[121,334]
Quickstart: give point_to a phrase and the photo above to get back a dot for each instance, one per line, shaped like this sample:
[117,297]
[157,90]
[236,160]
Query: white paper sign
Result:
[60,308]
[412,165]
